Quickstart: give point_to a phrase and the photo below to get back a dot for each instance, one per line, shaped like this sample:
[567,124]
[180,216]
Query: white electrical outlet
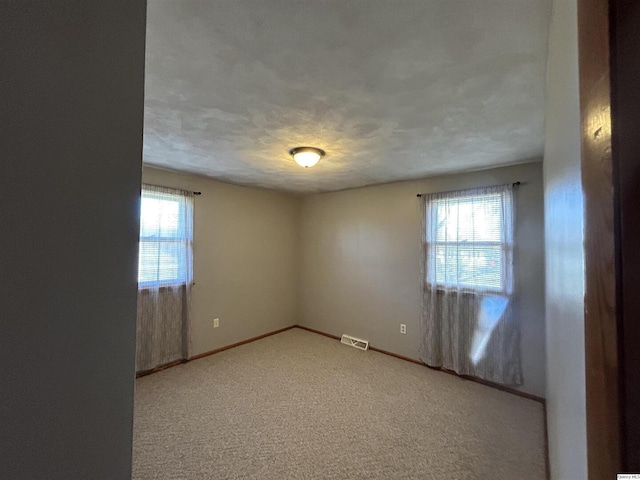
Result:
[403,328]
[216,322]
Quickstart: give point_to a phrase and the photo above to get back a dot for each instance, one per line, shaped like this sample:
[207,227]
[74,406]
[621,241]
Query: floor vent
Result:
[355,342]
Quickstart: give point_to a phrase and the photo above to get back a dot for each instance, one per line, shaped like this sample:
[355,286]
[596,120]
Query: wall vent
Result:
[355,342]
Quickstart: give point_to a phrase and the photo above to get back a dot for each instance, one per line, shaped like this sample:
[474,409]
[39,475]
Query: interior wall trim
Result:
[233,345]
[512,391]
[211,352]
[335,337]
[379,350]
[444,370]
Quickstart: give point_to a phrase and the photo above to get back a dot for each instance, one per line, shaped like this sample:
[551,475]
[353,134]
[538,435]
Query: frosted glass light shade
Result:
[306,156]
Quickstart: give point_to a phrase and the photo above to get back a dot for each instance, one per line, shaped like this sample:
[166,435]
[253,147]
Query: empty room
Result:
[310,239]
[372,170]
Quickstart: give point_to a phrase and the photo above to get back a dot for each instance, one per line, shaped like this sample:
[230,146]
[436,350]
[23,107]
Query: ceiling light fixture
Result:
[306,156]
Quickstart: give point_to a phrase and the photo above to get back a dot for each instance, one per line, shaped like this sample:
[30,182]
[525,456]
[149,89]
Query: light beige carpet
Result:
[298,405]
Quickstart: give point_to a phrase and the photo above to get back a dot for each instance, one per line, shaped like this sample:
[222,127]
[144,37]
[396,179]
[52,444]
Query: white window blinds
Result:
[469,239]
[166,237]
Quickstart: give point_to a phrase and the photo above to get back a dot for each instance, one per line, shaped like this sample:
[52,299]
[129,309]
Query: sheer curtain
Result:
[164,276]
[467,316]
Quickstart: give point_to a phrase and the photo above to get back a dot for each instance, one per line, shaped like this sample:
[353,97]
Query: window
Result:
[468,320]
[166,236]
[469,239]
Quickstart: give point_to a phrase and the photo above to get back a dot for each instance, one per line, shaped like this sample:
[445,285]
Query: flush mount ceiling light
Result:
[306,156]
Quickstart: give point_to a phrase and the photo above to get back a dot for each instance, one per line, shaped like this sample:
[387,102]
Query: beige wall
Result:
[360,262]
[566,407]
[245,259]
[344,262]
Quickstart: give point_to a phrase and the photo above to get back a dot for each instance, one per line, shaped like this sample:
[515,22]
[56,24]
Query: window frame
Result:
[504,246]
[185,272]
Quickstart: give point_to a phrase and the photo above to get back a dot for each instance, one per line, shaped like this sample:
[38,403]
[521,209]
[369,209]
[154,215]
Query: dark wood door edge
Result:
[601,313]
[625,115]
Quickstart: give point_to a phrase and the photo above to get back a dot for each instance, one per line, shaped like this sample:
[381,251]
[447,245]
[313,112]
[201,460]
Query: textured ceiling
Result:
[391,89]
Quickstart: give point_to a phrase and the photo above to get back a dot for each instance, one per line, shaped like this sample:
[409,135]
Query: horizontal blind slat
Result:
[165,238]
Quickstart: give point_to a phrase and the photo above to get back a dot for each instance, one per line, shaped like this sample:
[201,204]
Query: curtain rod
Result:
[171,188]
[514,184]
